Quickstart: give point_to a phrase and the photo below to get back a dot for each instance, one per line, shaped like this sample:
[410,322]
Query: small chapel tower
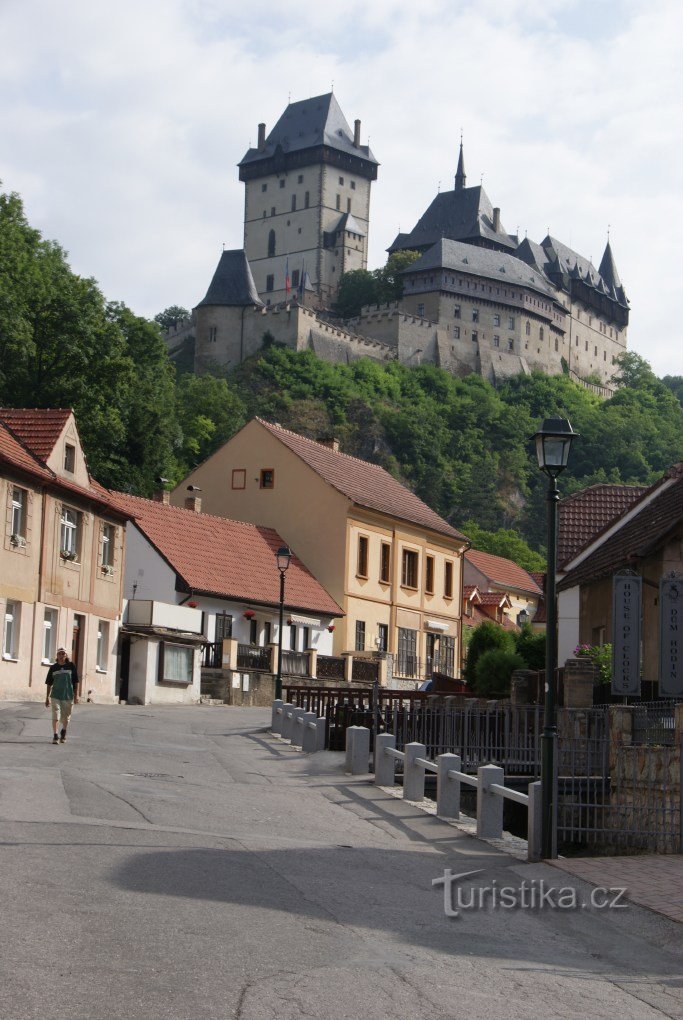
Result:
[307,203]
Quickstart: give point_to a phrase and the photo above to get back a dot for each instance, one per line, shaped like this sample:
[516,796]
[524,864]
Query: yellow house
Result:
[391,563]
[61,558]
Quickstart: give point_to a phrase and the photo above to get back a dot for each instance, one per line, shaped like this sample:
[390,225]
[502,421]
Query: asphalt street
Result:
[179,863]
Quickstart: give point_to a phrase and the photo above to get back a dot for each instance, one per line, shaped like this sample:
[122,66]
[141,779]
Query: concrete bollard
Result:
[320,732]
[448,790]
[276,719]
[413,775]
[385,764]
[357,750]
[297,728]
[287,721]
[489,805]
[534,826]
[308,741]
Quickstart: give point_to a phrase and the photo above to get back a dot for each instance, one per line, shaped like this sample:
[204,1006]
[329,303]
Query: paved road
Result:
[179,863]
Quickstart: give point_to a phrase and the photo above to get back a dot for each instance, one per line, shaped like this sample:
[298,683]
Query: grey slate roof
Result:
[307,124]
[494,265]
[464,214]
[608,271]
[232,283]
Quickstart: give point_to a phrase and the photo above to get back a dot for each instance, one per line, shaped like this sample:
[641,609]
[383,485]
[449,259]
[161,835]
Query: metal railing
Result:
[365,670]
[212,655]
[253,657]
[295,663]
[330,667]
[654,723]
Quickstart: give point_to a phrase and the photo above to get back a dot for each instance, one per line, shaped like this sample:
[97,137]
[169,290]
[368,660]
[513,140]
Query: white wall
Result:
[568,605]
[143,676]
[147,569]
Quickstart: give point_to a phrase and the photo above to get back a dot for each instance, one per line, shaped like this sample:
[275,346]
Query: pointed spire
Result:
[608,269]
[460,175]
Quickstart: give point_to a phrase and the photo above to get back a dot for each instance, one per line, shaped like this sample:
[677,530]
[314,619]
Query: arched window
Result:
[271,243]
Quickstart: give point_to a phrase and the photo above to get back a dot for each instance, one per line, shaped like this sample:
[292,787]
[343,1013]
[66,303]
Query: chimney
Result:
[162,496]
[356,133]
[496,220]
[193,503]
[331,442]
[261,137]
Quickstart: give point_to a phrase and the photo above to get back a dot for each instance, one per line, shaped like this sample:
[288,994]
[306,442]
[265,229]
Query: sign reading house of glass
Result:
[626,616]
[670,625]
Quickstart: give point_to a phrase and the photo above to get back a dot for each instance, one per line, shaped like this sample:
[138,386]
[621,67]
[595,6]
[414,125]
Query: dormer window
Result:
[69,458]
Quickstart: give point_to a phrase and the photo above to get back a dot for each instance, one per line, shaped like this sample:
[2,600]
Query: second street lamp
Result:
[283,557]
[553,443]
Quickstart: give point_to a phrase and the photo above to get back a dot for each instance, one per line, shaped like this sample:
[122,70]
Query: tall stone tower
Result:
[307,202]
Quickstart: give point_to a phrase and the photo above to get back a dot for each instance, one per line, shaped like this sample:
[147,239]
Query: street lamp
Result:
[283,558]
[553,443]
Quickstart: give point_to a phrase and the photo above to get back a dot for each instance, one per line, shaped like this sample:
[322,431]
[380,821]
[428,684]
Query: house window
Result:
[496,320]
[382,637]
[222,626]
[69,458]
[102,646]
[447,655]
[253,631]
[270,282]
[10,641]
[267,633]
[429,575]
[362,565]
[456,332]
[19,499]
[239,478]
[108,535]
[176,663]
[293,203]
[511,322]
[407,652]
[456,312]
[385,563]
[475,315]
[448,580]
[360,635]
[305,638]
[69,532]
[271,243]
[420,309]
[267,478]
[292,637]
[50,619]
[409,569]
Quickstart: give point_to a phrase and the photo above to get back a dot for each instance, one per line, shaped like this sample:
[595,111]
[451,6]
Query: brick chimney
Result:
[261,137]
[356,133]
[162,496]
[193,503]
[331,442]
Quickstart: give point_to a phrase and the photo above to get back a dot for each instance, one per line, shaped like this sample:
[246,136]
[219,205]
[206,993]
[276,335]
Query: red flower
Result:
[249,613]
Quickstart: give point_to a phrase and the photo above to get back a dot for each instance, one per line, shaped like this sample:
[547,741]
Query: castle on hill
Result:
[477,299]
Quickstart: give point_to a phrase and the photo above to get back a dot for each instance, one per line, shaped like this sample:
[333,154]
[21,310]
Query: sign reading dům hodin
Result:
[626,615]
[670,628]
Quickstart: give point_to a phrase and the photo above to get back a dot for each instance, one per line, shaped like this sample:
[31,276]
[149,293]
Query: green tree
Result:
[493,672]
[531,647]
[356,289]
[171,316]
[388,279]
[504,542]
[485,636]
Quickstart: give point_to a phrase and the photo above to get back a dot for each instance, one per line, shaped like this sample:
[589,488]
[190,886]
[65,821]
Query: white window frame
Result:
[19,503]
[166,668]
[68,531]
[102,662]
[50,624]
[10,635]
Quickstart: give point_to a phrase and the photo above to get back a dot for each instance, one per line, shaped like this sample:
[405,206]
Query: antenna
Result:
[438,187]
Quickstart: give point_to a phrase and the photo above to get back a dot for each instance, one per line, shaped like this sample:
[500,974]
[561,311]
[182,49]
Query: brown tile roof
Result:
[468,591]
[229,559]
[585,514]
[13,452]
[502,571]
[39,428]
[493,598]
[637,537]
[366,484]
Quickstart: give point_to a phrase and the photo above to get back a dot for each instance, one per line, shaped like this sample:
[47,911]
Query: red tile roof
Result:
[229,559]
[15,453]
[658,516]
[493,598]
[38,428]
[585,514]
[468,590]
[366,484]
[499,570]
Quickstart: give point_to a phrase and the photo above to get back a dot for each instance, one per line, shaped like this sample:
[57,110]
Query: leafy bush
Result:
[494,670]
[531,647]
[487,636]
[600,656]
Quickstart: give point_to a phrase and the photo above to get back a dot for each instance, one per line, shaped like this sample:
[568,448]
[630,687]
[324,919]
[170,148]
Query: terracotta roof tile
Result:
[657,517]
[13,452]
[366,484]
[493,598]
[585,514]
[502,571]
[39,428]
[230,559]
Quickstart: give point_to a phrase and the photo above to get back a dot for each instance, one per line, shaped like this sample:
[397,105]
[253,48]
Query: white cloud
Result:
[122,127]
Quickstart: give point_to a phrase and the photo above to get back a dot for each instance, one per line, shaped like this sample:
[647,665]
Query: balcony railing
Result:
[253,657]
[212,655]
[294,663]
[408,666]
[330,667]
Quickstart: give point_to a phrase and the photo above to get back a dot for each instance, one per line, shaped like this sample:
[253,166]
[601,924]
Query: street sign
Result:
[670,630]
[626,615]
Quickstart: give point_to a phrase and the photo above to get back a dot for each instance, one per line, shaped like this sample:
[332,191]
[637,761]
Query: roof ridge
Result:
[183,509]
[316,442]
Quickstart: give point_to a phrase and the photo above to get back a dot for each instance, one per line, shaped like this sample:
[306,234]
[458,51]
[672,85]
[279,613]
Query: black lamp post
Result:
[283,558]
[553,443]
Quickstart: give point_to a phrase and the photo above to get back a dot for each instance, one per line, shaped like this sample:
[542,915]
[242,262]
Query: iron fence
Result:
[330,667]
[294,663]
[253,657]
[365,670]
[212,655]
[654,722]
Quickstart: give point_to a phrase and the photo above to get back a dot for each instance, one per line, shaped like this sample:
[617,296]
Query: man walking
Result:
[62,689]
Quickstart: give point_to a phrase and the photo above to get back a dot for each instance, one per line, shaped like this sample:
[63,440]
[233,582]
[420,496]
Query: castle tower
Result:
[307,202]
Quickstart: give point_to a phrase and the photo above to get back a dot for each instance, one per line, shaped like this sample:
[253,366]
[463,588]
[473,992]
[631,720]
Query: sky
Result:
[121,126]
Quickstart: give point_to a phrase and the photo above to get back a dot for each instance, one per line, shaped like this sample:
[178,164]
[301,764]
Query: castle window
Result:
[341,181]
[293,203]
[527,329]
[271,244]
[496,320]
[213,332]
[348,205]
[475,315]
[586,347]
[511,344]
[604,355]
[307,199]
[353,185]
[456,312]
[270,282]
[282,183]
[556,344]
[272,210]
[576,342]
[540,333]
[511,322]
[496,341]
[296,276]
[420,309]
[456,332]
[338,201]
[300,179]
[264,187]
[596,351]
[475,337]
[264,214]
